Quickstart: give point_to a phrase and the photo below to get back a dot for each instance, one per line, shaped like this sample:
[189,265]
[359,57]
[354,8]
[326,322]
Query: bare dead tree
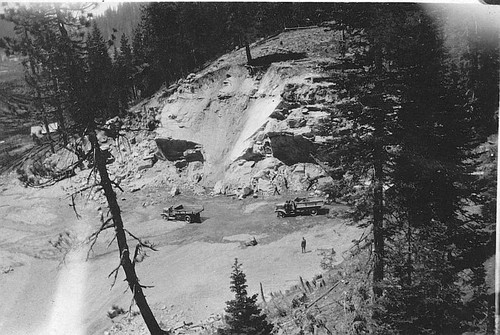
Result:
[99,180]
[116,222]
[67,28]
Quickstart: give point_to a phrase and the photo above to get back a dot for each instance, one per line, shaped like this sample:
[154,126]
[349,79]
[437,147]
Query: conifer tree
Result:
[82,74]
[99,74]
[364,121]
[123,74]
[417,107]
[50,35]
[440,243]
[243,315]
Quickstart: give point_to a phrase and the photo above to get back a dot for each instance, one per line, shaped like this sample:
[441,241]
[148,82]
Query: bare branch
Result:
[110,242]
[145,244]
[92,171]
[95,235]
[115,271]
[324,294]
[82,190]
[357,243]
[146,286]
[118,186]
[73,205]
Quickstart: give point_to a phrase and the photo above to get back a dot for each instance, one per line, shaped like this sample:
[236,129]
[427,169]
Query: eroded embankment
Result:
[250,130]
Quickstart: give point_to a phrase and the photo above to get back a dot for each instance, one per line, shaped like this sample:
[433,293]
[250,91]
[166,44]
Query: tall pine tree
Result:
[407,113]
[99,79]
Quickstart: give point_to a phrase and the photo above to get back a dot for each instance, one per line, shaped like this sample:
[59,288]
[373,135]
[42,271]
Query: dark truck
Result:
[299,206]
[183,213]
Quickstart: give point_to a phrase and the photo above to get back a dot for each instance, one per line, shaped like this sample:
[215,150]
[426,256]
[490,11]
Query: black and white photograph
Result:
[249,168]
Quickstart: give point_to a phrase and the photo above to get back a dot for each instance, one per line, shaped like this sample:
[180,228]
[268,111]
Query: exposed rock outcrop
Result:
[231,126]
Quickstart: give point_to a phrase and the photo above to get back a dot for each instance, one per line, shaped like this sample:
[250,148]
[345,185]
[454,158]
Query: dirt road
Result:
[190,272]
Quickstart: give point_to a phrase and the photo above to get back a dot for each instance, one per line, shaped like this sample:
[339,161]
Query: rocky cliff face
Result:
[234,126]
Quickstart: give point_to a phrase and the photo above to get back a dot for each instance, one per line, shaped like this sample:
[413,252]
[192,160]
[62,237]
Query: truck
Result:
[299,206]
[187,213]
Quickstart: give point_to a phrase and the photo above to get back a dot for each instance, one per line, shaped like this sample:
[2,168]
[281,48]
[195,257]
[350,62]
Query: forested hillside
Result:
[119,20]
[406,99]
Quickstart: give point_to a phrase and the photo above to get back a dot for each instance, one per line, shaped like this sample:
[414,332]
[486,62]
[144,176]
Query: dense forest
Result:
[419,96]
[122,19]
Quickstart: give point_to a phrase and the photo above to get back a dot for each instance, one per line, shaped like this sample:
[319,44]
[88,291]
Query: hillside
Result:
[236,139]
[230,112]
[226,114]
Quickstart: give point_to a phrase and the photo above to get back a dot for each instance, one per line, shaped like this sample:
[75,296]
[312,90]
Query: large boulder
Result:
[173,150]
[291,149]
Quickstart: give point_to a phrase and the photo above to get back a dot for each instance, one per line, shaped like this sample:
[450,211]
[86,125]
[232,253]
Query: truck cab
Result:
[299,206]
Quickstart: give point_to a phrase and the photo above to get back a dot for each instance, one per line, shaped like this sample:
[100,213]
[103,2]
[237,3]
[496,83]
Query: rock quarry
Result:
[234,127]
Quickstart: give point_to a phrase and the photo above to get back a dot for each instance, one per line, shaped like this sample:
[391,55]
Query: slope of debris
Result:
[234,126]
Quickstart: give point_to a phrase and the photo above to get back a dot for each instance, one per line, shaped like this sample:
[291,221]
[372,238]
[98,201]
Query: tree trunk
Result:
[247,49]
[378,191]
[121,238]
[409,256]
[378,208]
[46,124]
[59,113]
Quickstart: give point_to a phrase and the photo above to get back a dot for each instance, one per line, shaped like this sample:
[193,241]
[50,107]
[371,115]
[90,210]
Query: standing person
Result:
[303,245]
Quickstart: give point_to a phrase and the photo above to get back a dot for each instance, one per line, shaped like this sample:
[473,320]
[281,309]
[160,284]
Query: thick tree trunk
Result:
[378,191]
[378,209]
[378,235]
[126,263]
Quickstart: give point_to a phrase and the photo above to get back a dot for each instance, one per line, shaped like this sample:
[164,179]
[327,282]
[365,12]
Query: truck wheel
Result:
[280,214]
[188,219]
[314,212]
